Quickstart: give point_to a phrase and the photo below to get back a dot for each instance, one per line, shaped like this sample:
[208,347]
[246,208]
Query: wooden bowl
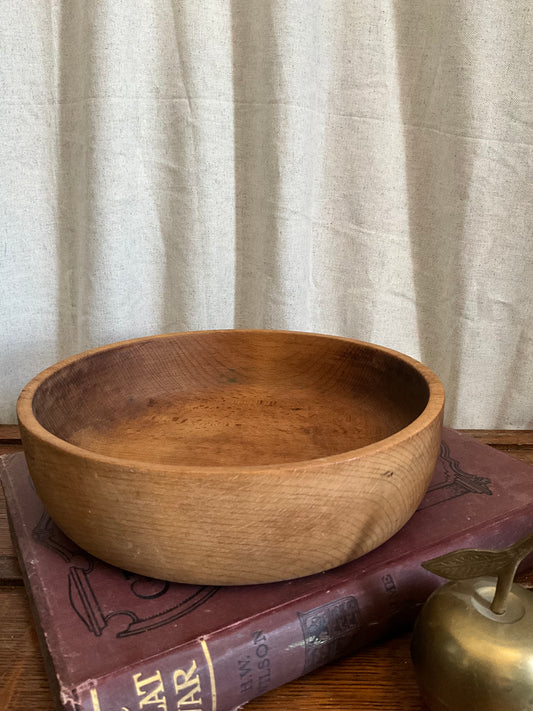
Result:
[231,457]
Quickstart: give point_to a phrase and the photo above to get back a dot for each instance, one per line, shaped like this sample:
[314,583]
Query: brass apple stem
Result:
[515,554]
[503,587]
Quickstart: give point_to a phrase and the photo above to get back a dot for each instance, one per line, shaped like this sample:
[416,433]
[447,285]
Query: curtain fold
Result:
[361,169]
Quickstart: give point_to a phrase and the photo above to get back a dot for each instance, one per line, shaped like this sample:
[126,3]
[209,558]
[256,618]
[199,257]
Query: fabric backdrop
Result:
[354,168]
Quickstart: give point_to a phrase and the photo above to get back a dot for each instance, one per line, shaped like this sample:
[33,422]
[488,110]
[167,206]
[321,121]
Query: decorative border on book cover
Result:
[151,603]
[453,481]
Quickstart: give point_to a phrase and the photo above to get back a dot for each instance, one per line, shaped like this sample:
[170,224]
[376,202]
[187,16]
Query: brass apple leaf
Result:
[473,563]
[468,563]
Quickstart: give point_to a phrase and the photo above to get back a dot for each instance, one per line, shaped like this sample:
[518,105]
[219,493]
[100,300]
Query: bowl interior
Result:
[230,398]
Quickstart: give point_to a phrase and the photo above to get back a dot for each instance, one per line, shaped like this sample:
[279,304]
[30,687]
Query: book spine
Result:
[224,670]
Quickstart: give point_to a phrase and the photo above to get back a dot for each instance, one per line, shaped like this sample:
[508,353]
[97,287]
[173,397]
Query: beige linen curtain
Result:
[361,168]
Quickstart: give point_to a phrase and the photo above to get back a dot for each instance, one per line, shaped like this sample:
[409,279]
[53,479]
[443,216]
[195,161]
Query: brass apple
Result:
[472,646]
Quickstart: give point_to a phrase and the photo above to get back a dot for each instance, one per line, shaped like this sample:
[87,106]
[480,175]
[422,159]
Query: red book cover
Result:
[115,641]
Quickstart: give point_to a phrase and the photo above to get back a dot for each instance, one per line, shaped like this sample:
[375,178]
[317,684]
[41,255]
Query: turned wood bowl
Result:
[232,457]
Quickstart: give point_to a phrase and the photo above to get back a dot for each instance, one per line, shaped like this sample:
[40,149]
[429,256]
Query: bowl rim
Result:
[432,410]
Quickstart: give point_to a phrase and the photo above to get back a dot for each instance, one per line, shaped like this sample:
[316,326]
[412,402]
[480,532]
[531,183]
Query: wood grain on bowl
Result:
[229,457]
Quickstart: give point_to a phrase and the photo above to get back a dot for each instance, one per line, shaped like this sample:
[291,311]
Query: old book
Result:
[116,641]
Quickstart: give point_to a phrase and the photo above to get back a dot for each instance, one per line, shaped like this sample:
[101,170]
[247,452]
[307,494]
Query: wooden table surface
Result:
[380,677]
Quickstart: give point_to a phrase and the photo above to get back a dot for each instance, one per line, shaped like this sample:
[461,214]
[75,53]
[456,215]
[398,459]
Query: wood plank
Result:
[23,682]
[9,571]
[526,454]
[514,438]
[9,433]
[9,568]
[10,447]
